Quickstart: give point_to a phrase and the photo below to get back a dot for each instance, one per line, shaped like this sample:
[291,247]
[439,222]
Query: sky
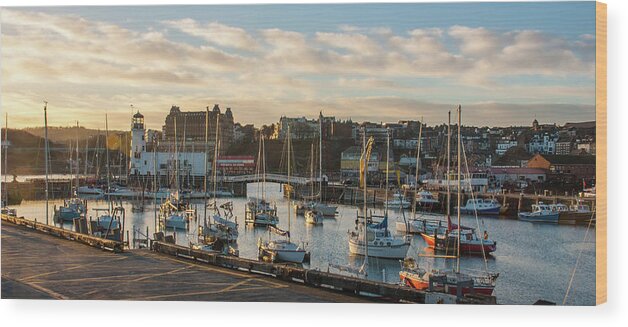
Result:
[505,63]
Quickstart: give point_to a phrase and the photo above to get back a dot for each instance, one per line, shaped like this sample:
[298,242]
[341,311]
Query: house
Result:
[565,167]
[517,175]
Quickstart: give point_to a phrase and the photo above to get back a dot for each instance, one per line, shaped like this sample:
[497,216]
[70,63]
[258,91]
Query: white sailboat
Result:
[258,211]
[223,228]
[72,208]
[284,249]
[368,238]
[316,204]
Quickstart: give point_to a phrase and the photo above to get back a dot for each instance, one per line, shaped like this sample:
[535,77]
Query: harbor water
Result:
[535,261]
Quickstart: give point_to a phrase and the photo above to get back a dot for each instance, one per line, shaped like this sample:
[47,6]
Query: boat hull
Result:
[389,252]
[414,281]
[480,211]
[542,218]
[465,248]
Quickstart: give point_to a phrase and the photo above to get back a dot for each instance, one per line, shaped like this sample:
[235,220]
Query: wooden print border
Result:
[600,152]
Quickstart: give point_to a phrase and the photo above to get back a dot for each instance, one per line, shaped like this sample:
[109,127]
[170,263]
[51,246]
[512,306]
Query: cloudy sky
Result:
[505,63]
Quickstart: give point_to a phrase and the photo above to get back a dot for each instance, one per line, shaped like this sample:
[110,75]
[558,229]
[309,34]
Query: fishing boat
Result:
[445,280]
[481,206]
[540,213]
[283,250]
[313,217]
[426,200]
[469,241]
[108,223]
[370,238]
[71,209]
[398,201]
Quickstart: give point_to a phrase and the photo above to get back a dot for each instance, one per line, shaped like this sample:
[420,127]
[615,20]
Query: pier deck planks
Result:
[35,265]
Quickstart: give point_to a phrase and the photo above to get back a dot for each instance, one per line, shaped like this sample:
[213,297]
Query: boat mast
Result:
[176,157]
[417,170]
[387,161]
[263,168]
[320,157]
[448,167]
[366,168]
[258,166]
[216,144]
[107,155]
[312,169]
[288,185]
[86,155]
[77,157]
[155,186]
[459,190]
[98,156]
[6,150]
[206,164]
[46,153]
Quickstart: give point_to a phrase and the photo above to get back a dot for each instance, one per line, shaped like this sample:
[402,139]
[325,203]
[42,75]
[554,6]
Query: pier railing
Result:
[93,241]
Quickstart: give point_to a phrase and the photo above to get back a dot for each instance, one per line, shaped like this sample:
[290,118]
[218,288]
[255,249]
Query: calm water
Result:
[535,261]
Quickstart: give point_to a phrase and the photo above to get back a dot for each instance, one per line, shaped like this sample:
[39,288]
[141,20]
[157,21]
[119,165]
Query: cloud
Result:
[82,64]
[216,33]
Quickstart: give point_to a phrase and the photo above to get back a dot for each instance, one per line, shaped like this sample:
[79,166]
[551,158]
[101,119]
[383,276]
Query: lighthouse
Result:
[138,143]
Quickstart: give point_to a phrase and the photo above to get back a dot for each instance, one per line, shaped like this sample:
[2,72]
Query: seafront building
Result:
[180,148]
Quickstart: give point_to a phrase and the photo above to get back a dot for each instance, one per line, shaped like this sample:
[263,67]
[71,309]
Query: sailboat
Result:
[424,224]
[175,212]
[448,281]
[312,215]
[317,204]
[282,249]
[109,222]
[223,230]
[374,239]
[74,207]
[5,202]
[258,211]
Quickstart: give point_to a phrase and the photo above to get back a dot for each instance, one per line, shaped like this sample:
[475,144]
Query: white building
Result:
[503,145]
[544,143]
[148,159]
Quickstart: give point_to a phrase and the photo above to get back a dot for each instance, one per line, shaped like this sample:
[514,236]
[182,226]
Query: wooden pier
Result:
[37,262]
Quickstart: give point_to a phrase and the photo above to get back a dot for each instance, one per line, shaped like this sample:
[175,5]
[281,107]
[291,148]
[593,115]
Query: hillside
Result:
[66,134]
